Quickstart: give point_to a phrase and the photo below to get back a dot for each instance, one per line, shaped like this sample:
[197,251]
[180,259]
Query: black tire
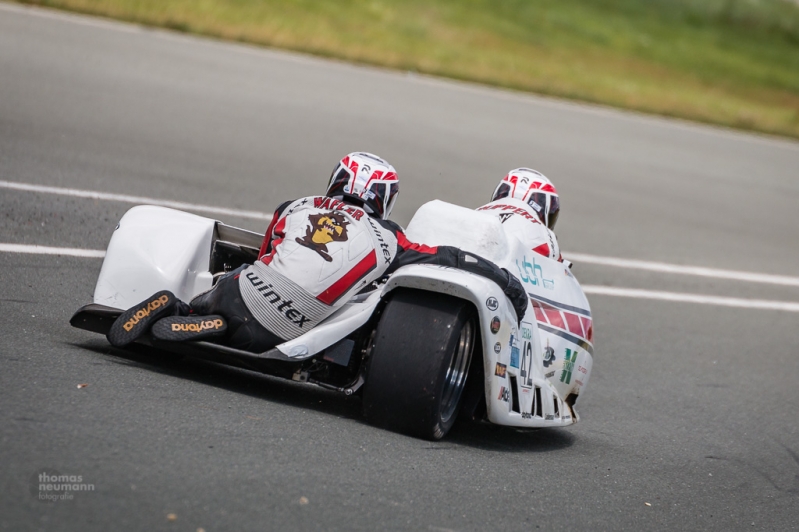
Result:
[419,363]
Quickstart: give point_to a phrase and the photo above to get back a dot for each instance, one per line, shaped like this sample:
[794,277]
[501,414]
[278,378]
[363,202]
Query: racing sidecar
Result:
[424,347]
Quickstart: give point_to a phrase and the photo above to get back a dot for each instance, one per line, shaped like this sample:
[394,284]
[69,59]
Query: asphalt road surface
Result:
[691,418]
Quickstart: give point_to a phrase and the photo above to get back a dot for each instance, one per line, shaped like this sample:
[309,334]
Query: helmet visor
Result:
[339,180]
[547,206]
[502,191]
[381,198]
[554,211]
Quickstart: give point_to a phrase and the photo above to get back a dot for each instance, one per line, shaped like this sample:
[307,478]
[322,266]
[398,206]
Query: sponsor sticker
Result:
[526,363]
[492,303]
[527,331]
[501,370]
[504,394]
[497,347]
[549,355]
[568,366]
[514,357]
[495,324]
[532,273]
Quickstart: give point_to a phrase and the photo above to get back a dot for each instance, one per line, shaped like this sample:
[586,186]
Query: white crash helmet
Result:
[365,179]
[533,188]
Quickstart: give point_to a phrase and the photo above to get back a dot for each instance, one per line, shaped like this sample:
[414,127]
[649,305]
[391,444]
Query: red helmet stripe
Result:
[376,175]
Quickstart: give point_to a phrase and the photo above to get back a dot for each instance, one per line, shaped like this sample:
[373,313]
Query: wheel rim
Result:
[456,372]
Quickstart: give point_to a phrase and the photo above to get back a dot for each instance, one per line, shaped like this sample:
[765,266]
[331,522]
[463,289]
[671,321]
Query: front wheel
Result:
[419,362]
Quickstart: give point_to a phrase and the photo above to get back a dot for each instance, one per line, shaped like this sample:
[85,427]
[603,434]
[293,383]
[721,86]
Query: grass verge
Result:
[728,62]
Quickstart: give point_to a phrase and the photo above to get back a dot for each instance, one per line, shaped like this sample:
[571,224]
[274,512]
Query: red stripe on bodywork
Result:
[539,313]
[555,318]
[573,323]
[588,325]
[348,280]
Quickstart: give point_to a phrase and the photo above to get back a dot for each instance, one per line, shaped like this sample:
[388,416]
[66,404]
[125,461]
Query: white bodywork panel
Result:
[550,354]
[438,223]
[152,249]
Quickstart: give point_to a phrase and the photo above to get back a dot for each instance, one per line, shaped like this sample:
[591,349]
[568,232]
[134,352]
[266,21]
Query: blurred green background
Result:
[728,62]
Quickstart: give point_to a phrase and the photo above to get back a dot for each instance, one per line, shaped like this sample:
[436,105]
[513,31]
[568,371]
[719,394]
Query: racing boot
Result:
[137,320]
[183,328]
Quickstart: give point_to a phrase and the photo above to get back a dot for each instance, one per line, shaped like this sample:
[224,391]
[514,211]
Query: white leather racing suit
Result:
[520,220]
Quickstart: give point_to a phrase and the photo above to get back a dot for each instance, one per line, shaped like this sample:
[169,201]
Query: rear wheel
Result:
[420,359]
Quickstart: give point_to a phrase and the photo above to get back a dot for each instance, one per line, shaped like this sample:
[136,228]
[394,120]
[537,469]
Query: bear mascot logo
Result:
[324,229]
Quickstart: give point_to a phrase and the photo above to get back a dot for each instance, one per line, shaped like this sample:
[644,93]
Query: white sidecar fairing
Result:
[152,249]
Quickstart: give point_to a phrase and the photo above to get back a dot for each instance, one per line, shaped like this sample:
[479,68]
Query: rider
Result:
[317,253]
[527,204]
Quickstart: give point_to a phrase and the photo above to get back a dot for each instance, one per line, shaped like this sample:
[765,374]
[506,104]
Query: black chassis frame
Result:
[328,369]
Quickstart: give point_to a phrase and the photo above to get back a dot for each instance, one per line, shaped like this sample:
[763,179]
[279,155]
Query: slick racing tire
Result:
[420,358]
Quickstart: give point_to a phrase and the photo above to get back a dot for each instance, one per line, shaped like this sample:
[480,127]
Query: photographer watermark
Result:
[49,485]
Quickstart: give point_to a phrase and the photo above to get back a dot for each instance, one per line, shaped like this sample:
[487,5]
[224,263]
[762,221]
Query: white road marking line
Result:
[589,289]
[124,198]
[585,258]
[683,270]
[45,250]
[787,306]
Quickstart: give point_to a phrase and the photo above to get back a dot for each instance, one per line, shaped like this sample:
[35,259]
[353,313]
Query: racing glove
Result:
[511,286]
[517,295]
[470,262]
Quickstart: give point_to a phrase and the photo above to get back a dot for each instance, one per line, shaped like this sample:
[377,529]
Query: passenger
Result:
[527,204]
